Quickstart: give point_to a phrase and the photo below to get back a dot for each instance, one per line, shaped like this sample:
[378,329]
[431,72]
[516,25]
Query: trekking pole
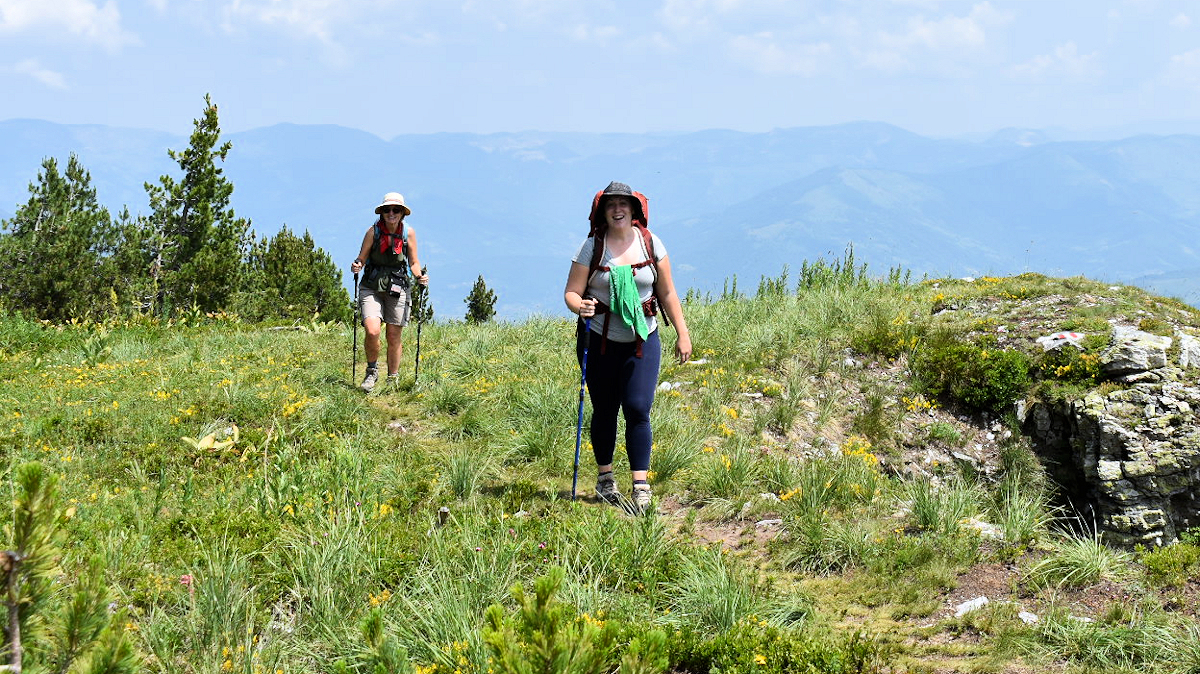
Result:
[587,337]
[420,321]
[354,356]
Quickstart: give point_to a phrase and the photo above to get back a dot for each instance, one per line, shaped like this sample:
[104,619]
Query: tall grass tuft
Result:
[713,595]
[1141,644]
[727,473]
[465,472]
[1022,511]
[465,569]
[942,509]
[1080,561]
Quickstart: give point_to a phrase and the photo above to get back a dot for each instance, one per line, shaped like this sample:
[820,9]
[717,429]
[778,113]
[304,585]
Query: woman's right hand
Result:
[356,266]
[587,308]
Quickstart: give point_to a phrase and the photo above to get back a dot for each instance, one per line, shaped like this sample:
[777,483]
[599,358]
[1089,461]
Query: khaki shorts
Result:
[390,310]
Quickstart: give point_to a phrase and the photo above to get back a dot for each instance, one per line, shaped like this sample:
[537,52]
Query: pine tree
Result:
[53,625]
[133,262]
[422,307]
[289,277]
[481,303]
[196,241]
[55,253]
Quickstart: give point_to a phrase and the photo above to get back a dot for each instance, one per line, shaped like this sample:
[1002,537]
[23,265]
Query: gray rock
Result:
[1133,453]
[1134,351]
[986,530]
[1108,471]
[1189,350]
[970,605]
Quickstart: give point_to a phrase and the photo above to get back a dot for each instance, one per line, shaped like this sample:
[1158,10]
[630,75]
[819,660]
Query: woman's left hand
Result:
[423,279]
[683,348]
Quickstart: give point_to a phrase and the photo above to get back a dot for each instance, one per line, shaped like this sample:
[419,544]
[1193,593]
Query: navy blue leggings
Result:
[618,380]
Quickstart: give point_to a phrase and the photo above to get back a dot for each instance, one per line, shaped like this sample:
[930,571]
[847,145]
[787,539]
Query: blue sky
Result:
[937,67]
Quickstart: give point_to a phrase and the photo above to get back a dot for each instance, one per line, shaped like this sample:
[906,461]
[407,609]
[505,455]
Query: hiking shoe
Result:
[369,380]
[606,489]
[641,497]
[393,380]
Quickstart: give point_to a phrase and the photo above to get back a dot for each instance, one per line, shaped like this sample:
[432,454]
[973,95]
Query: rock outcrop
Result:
[1132,454]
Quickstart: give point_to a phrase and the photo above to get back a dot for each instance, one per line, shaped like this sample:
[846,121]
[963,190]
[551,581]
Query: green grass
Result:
[311,536]
[1079,561]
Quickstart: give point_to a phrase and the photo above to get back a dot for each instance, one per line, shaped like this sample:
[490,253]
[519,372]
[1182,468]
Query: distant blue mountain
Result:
[513,206]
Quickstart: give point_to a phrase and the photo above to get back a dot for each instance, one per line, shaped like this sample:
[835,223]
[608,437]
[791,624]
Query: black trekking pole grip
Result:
[354,350]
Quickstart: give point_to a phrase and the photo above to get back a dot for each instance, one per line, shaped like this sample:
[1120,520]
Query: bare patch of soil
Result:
[995,581]
[750,536]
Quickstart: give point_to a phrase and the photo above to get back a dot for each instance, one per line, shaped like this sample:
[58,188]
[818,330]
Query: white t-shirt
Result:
[599,286]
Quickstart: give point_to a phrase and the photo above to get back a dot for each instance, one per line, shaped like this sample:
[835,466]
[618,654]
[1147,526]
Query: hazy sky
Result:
[937,67]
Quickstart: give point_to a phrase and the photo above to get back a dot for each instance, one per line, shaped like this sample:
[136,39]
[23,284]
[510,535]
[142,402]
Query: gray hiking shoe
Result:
[369,380]
[641,497]
[606,489]
[393,380]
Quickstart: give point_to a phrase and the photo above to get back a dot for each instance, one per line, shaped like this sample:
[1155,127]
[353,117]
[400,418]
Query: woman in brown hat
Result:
[389,256]
[622,277]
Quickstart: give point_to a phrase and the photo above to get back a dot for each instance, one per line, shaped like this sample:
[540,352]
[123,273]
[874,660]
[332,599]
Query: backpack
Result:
[380,243]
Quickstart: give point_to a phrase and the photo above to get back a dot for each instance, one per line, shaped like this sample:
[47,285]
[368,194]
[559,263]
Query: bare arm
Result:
[361,260]
[414,261]
[664,288]
[577,280]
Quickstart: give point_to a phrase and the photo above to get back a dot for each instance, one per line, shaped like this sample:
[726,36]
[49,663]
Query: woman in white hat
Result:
[389,256]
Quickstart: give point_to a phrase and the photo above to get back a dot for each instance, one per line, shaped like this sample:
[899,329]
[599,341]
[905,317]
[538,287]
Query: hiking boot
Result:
[369,380]
[641,497]
[606,489]
[393,380]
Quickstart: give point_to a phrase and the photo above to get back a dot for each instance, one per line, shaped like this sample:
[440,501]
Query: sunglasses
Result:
[392,209]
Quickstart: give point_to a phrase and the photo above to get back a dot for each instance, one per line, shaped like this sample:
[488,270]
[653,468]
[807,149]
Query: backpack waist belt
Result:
[649,308]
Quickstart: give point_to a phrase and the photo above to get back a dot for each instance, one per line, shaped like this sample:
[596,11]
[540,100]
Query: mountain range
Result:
[513,207]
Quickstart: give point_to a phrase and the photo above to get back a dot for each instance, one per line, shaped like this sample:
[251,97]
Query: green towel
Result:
[626,303]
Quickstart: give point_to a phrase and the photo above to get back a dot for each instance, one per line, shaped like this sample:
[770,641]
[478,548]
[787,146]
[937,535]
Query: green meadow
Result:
[206,494]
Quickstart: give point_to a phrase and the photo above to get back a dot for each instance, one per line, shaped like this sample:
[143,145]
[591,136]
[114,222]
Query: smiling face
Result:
[392,215]
[618,211]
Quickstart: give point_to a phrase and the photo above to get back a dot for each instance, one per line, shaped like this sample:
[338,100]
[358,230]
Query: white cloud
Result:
[1181,21]
[704,15]
[588,33]
[885,61]
[308,18]
[763,53]
[909,49]
[949,32]
[1184,70]
[661,43]
[81,18]
[1064,62]
[47,77]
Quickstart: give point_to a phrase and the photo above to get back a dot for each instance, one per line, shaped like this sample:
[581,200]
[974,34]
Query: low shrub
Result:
[755,648]
[1172,565]
[976,374]
[945,433]
[887,332]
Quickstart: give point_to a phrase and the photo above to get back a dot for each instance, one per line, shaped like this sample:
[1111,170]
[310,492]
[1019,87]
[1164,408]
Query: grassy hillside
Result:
[254,512]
